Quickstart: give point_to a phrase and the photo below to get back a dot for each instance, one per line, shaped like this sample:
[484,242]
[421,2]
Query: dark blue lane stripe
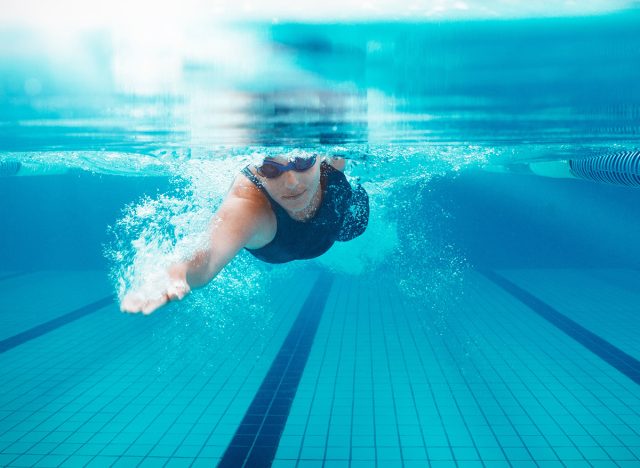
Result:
[14,274]
[622,361]
[51,325]
[256,440]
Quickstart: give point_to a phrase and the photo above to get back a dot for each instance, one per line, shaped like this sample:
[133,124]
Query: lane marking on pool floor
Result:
[15,274]
[609,353]
[258,436]
[46,327]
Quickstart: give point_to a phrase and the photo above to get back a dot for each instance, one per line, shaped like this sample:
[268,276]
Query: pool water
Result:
[487,317]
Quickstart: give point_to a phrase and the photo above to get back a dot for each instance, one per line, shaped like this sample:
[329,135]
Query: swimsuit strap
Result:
[251,176]
[275,206]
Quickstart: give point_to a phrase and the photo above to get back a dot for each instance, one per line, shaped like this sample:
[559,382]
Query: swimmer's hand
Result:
[147,301]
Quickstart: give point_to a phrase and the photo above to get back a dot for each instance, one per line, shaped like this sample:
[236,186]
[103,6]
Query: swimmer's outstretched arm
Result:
[236,223]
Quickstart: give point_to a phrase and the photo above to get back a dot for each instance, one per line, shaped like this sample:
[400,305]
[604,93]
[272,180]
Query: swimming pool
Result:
[488,316]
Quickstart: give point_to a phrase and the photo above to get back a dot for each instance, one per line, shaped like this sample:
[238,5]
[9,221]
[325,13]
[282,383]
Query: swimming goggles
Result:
[271,169]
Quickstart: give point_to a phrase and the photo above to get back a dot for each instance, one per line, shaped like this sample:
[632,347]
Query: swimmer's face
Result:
[294,190]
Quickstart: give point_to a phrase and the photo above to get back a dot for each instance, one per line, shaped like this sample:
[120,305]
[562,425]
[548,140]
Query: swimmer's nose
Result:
[290,179]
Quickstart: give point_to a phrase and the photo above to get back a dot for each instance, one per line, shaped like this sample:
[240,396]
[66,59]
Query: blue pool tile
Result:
[127,462]
[26,460]
[85,460]
[287,452]
[620,453]
[310,464]
[363,453]
[163,451]
[542,453]
[370,439]
[51,460]
[179,462]
[414,453]
[510,441]
[312,453]
[469,463]
[388,453]
[102,460]
[361,463]
[439,453]
[550,463]
[491,453]
[114,449]
[442,463]
[283,463]
[627,463]
[204,462]
[464,453]
[340,452]
[336,463]
[517,454]
[151,462]
[188,451]
[568,453]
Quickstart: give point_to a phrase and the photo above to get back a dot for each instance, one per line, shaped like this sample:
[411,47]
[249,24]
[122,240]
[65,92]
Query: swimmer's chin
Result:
[295,196]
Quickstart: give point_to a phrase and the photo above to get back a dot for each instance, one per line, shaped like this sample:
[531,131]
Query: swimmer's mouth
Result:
[294,197]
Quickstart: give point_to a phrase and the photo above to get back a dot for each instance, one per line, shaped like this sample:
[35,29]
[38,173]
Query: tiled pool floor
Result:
[385,382]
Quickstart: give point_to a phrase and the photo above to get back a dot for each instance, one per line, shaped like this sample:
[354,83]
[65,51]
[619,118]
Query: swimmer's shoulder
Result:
[244,191]
[246,203]
[337,163]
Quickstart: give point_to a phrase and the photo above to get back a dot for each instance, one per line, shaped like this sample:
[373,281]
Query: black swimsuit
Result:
[342,216]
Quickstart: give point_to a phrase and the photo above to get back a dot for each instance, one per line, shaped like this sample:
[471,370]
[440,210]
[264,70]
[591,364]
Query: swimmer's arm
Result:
[236,223]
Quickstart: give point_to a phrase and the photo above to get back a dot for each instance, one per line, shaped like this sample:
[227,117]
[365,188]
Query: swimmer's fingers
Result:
[137,302]
[153,304]
[134,303]
[177,291]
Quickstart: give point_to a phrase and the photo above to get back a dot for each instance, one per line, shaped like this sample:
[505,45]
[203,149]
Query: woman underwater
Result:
[280,211]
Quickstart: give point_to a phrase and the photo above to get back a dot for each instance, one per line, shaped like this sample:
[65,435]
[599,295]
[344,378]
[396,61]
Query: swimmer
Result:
[279,211]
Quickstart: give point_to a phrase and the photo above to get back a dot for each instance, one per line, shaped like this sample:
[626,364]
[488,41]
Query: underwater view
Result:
[266,237]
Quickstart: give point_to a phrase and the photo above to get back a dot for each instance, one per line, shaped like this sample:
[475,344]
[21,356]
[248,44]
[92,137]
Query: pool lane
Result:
[112,388]
[46,327]
[609,353]
[257,438]
[13,274]
[605,302]
[29,301]
[481,380]
[384,383]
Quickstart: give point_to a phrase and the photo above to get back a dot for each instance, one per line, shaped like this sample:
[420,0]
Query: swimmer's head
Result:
[293,183]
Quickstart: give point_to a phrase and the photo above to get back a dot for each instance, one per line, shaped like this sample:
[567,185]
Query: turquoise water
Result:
[488,316]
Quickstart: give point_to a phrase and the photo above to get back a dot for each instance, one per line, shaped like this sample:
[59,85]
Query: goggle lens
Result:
[271,169]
